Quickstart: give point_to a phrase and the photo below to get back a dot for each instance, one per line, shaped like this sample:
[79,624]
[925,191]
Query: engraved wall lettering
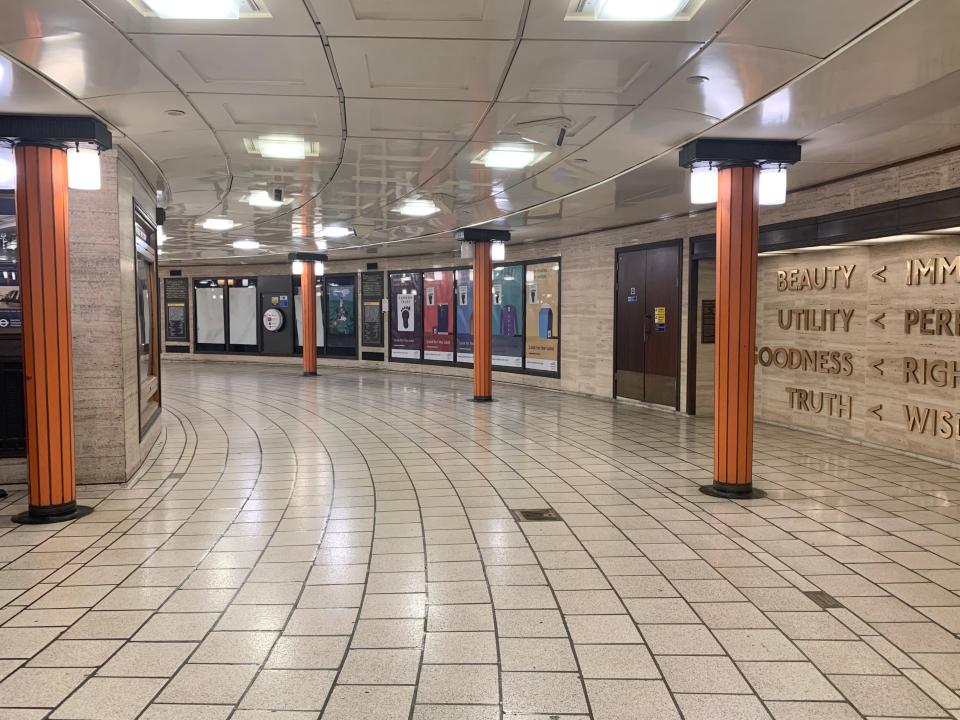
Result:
[818,278]
[934,271]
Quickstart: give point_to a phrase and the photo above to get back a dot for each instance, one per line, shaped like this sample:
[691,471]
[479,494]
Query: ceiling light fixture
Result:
[418,207]
[510,157]
[195,9]
[773,185]
[262,199]
[333,231]
[218,224]
[640,10]
[161,236]
[246,245]
[83,169]
[281,147]
[297,267]
[318,268]
[321,244]
[498,251]
[704,184]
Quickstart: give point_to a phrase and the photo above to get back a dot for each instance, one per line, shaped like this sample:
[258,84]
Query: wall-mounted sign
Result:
[660,319]
[708,322]
[372,288]
[176,294]
[273,319]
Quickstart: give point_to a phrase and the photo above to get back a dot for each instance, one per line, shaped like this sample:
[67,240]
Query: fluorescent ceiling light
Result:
[8,169]
[510,157]
[262,199]
[246,245]
[83,169]
[639,10]
[332,231]
[420,207]
[195,9]
[704,185]
[282,147]
[218,224]
[773,185]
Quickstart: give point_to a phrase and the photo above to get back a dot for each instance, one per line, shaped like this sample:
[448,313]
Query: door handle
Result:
[646,327]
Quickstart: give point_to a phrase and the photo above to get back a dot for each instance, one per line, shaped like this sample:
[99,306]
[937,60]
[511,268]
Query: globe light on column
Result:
[83,169]
[297,267]
[704,185]
[498,251]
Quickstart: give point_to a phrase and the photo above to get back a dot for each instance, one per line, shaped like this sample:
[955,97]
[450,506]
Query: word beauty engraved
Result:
[819,278]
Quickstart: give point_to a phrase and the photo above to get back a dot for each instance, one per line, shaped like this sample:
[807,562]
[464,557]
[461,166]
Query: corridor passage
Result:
[350,547]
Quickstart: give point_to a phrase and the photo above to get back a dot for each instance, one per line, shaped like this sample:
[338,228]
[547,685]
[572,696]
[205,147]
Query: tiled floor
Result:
[343,547]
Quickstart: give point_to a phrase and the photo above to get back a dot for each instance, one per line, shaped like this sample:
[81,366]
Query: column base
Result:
[310,374]
[732,492]
[481,399]
[52,514]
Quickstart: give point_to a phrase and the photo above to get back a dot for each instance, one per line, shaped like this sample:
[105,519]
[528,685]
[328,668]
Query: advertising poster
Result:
[341,311]
[175,296]
[508,308]
[438,316]
[543,317]
[464,303]
[372,293]
[406,325]
[10,318]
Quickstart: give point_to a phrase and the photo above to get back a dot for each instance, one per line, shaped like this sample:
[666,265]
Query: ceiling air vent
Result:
[632,10]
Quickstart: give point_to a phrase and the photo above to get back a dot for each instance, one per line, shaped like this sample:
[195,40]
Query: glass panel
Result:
[341,314]
[543,317]
[507,316]
[210,328]
[243,315]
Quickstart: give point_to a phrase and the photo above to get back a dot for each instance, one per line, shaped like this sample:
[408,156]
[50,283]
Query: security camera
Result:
[276,193]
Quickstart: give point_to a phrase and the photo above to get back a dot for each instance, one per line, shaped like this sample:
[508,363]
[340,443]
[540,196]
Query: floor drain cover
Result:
[544,515]
[824,600]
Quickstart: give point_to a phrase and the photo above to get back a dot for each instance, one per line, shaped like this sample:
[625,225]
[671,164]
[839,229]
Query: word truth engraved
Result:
[819,278]
[935,271]
[817,402]
[815,320]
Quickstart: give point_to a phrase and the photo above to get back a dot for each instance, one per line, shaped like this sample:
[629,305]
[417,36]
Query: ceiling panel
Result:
[736,75]
[169,145]
[546,21]
[813,27]
[491,19]
[285,18]
[244,65]
[23,91]
[141,113]
[591,73]
[541,123]
[413,119]
[276,114]
[420,69]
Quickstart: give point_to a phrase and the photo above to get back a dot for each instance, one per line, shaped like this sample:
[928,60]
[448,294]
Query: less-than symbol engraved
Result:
[876,411]
[878,321]
[879,274]
[878,366]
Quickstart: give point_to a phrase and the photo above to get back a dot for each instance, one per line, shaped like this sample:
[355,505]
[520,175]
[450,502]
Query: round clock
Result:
[272,319]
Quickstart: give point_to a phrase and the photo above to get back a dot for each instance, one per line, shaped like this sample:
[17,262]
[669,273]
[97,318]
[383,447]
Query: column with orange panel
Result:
[41,157]
[308,303]
[728,172]
[477,242]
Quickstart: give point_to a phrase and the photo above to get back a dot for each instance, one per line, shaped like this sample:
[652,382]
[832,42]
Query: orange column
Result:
[41,199]
[482,322]
[738,232]
[308,301]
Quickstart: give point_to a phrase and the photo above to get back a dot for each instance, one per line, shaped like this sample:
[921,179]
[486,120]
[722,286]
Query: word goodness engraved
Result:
[820,278]
[815,320]
[935,271]
[829,362]
[816,402]
[932,421]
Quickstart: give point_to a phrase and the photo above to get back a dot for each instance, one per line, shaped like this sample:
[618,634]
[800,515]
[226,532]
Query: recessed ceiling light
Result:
[418,207]
[698,79]
[195,9]
[332,231]
[282,147]
[262,199]
[638,10]
[218,224]
[246,245]
[510,157]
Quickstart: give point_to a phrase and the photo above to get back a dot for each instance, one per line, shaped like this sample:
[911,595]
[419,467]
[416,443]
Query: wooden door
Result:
[648,324]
